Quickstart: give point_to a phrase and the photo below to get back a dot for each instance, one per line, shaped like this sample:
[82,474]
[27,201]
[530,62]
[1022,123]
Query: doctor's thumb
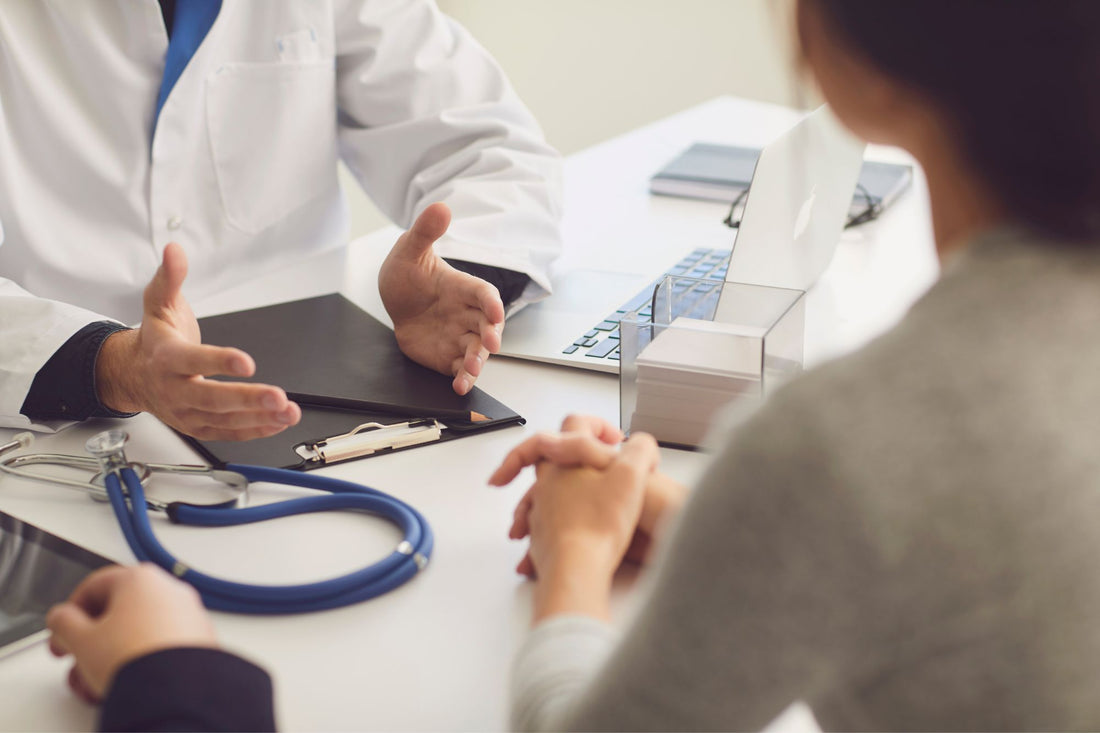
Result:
[169,277]
[173,267]
[428,227]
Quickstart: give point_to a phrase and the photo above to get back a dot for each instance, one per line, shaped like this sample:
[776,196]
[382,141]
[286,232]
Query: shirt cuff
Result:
[509,283]
[64,388]
[189,689]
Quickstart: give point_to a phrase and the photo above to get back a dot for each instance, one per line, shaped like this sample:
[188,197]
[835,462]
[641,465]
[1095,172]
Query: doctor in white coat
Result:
[130,162]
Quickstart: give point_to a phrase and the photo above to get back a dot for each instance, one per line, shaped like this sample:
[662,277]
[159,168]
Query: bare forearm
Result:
[576,581]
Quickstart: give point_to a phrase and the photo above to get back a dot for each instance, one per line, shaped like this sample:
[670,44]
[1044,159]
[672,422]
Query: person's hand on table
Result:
[592,442]
[119,614]
[161,368]
[581,519]
[444,319]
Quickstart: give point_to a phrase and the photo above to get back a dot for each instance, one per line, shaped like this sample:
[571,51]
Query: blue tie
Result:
[191,21]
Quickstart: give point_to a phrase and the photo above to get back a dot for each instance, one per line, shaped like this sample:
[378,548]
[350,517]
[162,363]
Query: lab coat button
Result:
[174,222]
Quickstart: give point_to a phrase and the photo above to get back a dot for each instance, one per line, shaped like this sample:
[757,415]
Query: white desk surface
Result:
[435,653]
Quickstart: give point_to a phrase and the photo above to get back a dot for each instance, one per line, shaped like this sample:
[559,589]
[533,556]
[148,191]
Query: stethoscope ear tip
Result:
[17,442]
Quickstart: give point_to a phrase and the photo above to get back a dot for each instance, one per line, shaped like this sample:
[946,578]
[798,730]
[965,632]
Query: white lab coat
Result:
[241,169]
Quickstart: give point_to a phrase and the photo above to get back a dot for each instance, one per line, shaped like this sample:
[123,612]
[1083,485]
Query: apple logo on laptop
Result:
[803,220]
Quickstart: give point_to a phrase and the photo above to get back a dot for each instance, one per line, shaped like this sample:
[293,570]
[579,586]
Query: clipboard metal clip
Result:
[370,438]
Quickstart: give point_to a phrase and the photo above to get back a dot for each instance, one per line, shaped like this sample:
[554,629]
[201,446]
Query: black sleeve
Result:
[64,388]
[509,283]
[189,689]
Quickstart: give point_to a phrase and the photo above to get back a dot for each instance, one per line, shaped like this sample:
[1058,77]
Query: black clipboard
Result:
[344,369]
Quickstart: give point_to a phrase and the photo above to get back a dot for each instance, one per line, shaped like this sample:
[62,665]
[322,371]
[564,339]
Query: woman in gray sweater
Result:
[908,537]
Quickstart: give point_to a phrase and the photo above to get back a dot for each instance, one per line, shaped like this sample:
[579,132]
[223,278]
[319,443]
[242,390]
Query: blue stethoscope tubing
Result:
[222,595]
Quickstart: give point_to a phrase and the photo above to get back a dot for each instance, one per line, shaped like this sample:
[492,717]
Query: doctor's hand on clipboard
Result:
[443,318]
[161,368]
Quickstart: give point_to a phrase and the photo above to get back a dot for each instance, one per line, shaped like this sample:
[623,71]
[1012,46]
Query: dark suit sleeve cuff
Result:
[64,388]
[509,283]
[189,689]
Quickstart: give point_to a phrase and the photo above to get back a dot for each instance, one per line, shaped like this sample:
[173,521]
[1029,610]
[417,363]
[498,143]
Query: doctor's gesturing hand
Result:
[443,318]
[161,368]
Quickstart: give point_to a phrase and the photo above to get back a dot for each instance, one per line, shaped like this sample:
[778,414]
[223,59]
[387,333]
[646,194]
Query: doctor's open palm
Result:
[443,318]
[162,368]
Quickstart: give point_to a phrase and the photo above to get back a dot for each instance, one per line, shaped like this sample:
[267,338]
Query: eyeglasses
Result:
[870,211]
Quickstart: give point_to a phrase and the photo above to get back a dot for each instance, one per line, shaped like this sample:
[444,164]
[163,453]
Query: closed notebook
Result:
[345,369]
[721,172]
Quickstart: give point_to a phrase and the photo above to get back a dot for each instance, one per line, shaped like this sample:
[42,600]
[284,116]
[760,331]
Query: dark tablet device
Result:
[37,570]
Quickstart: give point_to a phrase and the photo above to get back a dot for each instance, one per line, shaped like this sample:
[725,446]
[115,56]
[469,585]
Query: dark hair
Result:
[1020,82]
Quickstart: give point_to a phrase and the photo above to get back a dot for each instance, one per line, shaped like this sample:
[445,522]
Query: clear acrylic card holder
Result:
[698,346]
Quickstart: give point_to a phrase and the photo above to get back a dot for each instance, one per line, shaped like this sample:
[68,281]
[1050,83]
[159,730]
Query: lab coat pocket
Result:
[273,138]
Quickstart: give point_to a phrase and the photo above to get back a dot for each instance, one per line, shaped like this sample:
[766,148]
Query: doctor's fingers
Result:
[236,426]
[176,356]
[466,367]
[487,316]
[483,297]
[472,322]
[210,395]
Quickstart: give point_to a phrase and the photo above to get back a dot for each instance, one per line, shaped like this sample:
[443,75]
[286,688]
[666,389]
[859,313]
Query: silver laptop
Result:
[794,214]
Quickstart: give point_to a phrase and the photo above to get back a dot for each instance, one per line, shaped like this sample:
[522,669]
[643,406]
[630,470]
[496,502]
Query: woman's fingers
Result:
[573,449]
[640,450]
[526,567]
[521,525]
[604,431]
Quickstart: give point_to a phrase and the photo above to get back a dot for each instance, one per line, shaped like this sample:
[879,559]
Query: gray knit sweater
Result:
[906,538]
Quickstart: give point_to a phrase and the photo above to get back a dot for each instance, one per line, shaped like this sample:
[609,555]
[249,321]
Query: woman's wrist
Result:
[664,498]
[576,580]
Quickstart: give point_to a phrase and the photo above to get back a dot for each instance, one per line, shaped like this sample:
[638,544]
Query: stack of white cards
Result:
[690,371]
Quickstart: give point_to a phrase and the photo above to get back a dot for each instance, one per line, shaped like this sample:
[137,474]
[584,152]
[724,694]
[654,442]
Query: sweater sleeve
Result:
[753,603]
[189,689]
[558,658]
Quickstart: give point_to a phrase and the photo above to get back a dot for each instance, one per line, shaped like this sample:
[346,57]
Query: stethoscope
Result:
[122,486]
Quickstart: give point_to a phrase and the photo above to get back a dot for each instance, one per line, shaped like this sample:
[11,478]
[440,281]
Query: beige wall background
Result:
[593,69]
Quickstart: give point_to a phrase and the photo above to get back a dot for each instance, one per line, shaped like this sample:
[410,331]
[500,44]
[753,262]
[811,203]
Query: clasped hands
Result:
[593,504]
[443,318]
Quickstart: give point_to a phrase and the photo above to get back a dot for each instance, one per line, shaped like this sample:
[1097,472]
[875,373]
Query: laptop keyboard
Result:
[602,340]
